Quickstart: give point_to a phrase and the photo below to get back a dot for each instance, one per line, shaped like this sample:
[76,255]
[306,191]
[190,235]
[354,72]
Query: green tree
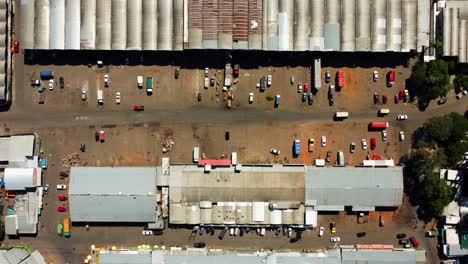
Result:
[461,82]
[455,151]
[438,129]
[2,230]
[436,195]
[430,80]
[459,126]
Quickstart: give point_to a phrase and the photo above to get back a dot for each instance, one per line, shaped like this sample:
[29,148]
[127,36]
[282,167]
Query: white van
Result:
[342,114]
[234,158]
[384,111]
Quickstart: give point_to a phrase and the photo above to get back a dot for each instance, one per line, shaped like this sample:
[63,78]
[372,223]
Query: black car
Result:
[311,98]
[304,97]
[176,73]
[96,136]
[221,235]
[384,99]
[361,234]
[212,81]
[330,100]
[401,235]
[199,244]
[62,82]
[82,147]
[376,98]
[227,136]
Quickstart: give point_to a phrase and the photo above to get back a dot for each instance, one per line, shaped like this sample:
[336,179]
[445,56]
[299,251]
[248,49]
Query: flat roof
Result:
[189,183]
[112,194]
[16,148]
[354,186]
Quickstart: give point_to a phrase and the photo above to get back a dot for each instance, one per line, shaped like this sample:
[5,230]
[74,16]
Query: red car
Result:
[63,197]
[102,136]
[397,99]
[373,143]
[401,95]
[306,87]
[414,242]
[16,47]
[61,209]
[138,108]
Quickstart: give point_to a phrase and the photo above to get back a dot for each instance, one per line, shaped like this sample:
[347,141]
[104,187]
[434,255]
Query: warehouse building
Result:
[5,52]
[454,23]
[112,194]
[273,25]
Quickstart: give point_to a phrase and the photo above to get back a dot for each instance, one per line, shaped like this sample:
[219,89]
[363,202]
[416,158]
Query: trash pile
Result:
[71,159]
[167,142]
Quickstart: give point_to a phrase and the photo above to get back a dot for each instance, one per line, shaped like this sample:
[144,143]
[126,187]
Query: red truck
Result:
[340,79]
[378,125]
[390,78]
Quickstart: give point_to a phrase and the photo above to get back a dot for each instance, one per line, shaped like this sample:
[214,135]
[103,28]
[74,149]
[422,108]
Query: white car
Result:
[117,97]
[251,95]
[106,80]
[335,239]
[402,135]
[147,232]
[402,117]
[384,135]
[51,84]
[206,72]
[375,76]
[324,141]
[61,186]
[275,151]
[83,95]
[299,88]
[364,143]
[321,231]
[269,80]
[46,188]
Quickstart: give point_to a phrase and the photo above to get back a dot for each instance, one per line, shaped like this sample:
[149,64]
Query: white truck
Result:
[227,75]
[100,97]
[140,81]
[196,154]
[317,74]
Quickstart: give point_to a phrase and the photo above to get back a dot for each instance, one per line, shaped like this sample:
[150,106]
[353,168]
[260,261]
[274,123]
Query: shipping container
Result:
[317,74]
[297,147]
[378,125]
[340,79]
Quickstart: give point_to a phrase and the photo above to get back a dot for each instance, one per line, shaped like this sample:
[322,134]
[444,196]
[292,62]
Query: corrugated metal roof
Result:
[378,257]
[354,186]
[20,178]
[104,194]
[113,180]
[332,37]
[143,257]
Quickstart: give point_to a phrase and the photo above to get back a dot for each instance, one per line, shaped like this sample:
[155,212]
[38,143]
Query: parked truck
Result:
[341,115]
[207,82]
[149,85]
[66,227]
[390,78]
[46,75]
[297,147]
[378,125]
[227,75]
[317,74]
[140,81]
[340,79]
[100,97]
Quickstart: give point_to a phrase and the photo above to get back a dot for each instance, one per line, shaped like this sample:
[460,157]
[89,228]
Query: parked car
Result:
[61,187]
[335,239]
[327,76]
[402,117]
[376,98]
[199,97]
[331,100]
[311,98]
[106,80]
[329,154]
[321,231]
[324,141]
[147,232]
[199,244]
[61,209]
[62,197]
[352,147]
[16,46]
[35,82]
[402,136]
[306,87]
[304,97]
[269,80]
[236,70]
[401,235]
[212,81]
[384,135]
[102,136]
[403,241]
[414,242]
[227,135]
[442,100]
[384,99]
[361,234]
[138,108]
[373,143]
[62,82]
[83,94]
[375,76]
[333,227]
[364,143]
[43,162]
[206,72]
[51,84]
[401,95]
[459,96]
[251,97]
[176,73]
[117,97]
[299,88]
[46,188]
[397,98]
[275,151]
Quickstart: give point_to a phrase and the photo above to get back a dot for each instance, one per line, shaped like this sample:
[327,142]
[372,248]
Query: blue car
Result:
[43,163]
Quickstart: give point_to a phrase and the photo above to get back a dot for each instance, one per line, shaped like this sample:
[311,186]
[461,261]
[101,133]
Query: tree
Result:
[459,126]
[461,82]
[436,195]
[438,129]
[455,151]
[430,80]
[2,230]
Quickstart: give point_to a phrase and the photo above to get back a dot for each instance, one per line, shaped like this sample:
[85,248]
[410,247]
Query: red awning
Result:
[220,162]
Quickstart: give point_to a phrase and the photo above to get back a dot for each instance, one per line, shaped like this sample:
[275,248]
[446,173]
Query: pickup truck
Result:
[311,144]
[41,97]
